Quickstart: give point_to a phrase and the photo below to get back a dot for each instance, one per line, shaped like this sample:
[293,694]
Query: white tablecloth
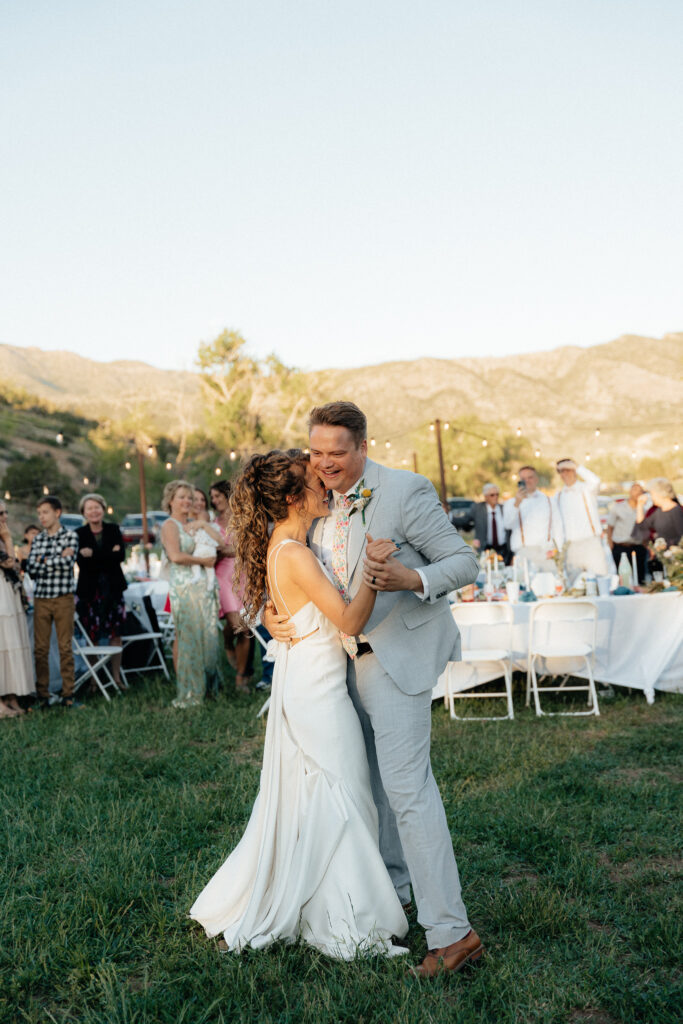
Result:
[639,643]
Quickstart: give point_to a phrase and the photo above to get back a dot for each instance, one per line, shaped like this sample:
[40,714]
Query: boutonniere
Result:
[360,499]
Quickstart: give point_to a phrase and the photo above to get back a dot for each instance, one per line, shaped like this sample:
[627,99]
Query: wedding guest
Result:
[30,533]
[529,518]
[621,523]
[236,639]
[16,668]
[489,527]
[198,654]
[101,582]
[667,518]
[51,566]
[200,505]
[577,519]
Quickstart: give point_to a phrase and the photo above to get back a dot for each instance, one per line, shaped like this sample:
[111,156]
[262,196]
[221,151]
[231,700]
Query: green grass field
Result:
[114,817]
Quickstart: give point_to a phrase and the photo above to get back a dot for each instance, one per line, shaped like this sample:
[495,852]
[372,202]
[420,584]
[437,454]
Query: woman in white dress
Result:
[16,661]
[308,865]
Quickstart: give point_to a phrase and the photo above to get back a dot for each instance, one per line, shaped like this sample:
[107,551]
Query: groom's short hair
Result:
[340,414]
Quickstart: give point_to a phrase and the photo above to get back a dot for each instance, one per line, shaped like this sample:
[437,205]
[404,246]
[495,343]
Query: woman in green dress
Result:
[198,653]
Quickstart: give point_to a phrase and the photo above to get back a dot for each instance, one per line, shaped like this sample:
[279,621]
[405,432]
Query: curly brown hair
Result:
[259,497]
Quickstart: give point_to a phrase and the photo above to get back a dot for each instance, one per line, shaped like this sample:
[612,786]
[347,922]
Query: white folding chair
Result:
[562,629]
[96,659]
[486,633]
[156,660]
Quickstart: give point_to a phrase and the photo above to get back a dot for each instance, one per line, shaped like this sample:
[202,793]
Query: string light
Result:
[372,442]
[233,454]
[85,481]
[519,431]
[537,453]
[110,511]
[514,477]
[446,425]
[588,456]
[218,471]
[484,443]
[127,465]
[60,438]
[8,496]
[404,462]
[387,444]
[307,451]
[45,490]
[169,465]
[633,455]
[456,467]
[150,450]
[597,431]
[431,426]
[676,447]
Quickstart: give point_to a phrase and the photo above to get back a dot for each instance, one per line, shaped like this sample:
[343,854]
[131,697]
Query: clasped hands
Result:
[380,572]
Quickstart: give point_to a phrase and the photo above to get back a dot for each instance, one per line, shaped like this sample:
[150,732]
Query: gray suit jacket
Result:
[412,639]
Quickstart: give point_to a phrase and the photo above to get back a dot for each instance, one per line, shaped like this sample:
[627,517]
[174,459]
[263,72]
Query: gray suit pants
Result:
[413,833]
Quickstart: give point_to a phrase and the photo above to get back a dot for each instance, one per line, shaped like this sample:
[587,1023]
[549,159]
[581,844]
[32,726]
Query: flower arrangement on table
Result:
[673,561]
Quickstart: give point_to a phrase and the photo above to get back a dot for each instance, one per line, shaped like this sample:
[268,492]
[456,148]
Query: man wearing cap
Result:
[575,507]
[529,518]
[489,529]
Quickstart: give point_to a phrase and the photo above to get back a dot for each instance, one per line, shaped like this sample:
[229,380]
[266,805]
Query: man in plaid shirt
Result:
[51,566]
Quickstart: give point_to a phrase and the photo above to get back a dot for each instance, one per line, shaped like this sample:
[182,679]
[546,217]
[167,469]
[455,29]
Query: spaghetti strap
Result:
[276,551]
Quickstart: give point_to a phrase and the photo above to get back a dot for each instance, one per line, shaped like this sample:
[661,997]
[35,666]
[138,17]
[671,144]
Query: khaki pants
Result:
[59,610]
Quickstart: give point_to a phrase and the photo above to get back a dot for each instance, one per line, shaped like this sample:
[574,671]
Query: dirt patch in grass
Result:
[136,983]
[600,929]
[208,784]
[249,751]
[630,869]
[519,873]
[147,752]
[591,1015]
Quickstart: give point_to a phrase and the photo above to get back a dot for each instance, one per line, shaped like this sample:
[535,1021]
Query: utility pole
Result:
[442,475]
[143,504]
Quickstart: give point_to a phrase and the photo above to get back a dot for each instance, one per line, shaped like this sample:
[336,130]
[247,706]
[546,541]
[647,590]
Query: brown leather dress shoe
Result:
[451,958]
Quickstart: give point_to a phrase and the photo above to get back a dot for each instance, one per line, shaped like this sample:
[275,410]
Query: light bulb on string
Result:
[85,481]
[218,470]
[537,453]
[233,455]
[126,465]
[110,511]
[455,467]
[431,426]
[372,442]
[633,455]
[45,490]
[8,496]
[514,477]
[150,450]
[387,444]
[484,443]
[60,438]
[169,465]
[588,456]
[404,462]
[446,425]
[307,451]
[519,431]
[597,431]
[676,447]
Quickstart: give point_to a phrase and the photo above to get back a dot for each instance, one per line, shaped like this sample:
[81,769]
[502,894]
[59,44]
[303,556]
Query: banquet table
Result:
[639,644]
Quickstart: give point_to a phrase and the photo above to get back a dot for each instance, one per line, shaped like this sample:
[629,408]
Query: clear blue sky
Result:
[343,182]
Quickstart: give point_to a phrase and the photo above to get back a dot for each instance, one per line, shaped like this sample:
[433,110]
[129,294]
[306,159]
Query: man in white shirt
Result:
[529,517]
[489,528]
[575,508]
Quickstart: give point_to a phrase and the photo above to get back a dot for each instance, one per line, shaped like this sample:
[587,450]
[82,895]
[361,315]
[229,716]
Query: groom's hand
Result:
[280,627]
[385,573]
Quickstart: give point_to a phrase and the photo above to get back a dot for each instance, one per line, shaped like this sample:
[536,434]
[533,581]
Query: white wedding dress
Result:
[308,864]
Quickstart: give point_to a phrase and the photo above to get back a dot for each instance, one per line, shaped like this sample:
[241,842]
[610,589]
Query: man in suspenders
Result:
[578,521]
[529,518]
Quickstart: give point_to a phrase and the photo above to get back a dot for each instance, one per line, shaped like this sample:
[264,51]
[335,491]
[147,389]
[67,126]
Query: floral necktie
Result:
[340,562]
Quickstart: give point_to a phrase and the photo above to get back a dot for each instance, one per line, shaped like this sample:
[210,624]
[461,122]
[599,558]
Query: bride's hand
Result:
[379,550]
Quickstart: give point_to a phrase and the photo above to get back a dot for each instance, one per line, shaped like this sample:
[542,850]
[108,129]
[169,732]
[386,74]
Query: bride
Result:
[308,864]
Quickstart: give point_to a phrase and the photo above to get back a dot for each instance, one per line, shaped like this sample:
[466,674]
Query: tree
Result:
[26,479]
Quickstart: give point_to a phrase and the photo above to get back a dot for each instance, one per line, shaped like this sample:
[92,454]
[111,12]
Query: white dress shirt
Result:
[500,525]
[576,508]
[531,521]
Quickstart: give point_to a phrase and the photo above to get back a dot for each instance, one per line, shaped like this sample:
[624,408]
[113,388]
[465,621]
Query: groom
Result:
[406,645]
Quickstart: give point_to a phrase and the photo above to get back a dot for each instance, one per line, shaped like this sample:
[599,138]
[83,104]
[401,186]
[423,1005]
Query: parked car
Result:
[461,513]
[71,520]
[131,526]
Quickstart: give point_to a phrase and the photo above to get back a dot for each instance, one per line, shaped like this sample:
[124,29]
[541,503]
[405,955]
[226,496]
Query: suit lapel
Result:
[358,528]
